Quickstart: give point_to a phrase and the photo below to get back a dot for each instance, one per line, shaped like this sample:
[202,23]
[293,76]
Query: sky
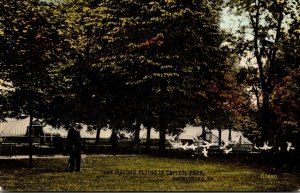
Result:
[232,22]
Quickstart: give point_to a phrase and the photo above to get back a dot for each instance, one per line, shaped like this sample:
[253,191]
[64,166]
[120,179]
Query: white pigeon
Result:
[172,138]
[175,145]
[226,151]
[225,144]
[195,140]
[237,140]
[204,151]
[265,147]
[207,144]
[289,146]
[193,147]
[184,147]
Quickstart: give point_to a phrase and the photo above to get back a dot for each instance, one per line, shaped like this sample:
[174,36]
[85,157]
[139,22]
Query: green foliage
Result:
[166,51]
[271,24]
[128,61]
[160,63]
[27,45]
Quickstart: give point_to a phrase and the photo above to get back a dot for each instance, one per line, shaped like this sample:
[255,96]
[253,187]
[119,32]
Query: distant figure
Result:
[114,142]
[74,142]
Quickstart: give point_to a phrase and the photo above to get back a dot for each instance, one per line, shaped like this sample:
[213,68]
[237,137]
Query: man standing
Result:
[74,141]
[114,142]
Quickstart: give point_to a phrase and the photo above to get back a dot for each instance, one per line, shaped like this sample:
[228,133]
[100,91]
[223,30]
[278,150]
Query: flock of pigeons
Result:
[227,147]
[205,145]
[267,147]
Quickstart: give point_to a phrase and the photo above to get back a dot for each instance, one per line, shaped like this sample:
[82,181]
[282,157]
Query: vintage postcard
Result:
[149,95]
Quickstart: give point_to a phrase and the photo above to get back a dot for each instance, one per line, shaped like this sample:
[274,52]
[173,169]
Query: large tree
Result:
[119,62]
[264,35]
[168,50]
[286,93]
[142,61]
[27,41]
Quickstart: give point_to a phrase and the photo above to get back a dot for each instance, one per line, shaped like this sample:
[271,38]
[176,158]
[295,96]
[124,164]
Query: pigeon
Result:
[184,147]
[237,140]
[207,144]
[204,151]
[195,140]
[289,146]
[265,147]
[224,146]
[172,138]
[175,145]
[193,147]
[226,151]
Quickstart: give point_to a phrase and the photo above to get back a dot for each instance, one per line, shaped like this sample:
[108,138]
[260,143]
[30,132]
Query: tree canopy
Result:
[271,24]
[163,64]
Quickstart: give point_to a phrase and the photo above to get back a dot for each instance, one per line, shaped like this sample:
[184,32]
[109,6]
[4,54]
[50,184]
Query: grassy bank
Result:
[142,173]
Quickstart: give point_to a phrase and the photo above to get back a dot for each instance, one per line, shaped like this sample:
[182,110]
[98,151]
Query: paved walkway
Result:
[34,156]
[61,156]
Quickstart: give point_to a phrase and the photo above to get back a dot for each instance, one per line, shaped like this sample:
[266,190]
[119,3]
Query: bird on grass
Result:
[204,151]
[226,151]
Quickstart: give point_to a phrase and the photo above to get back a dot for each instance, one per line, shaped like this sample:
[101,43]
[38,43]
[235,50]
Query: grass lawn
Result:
[143,173]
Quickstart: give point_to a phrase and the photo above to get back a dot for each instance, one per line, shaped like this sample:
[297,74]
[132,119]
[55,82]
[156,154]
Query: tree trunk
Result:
[30,141]
[229,134]
[162,131]
[97,141]
[265,118]
[162,117]
[220,137]
[266,77]
[148,140]
[137,133]
[203,132]
[255,20]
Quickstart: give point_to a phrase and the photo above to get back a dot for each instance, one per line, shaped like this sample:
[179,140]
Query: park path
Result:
[34,156]
[59,156]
